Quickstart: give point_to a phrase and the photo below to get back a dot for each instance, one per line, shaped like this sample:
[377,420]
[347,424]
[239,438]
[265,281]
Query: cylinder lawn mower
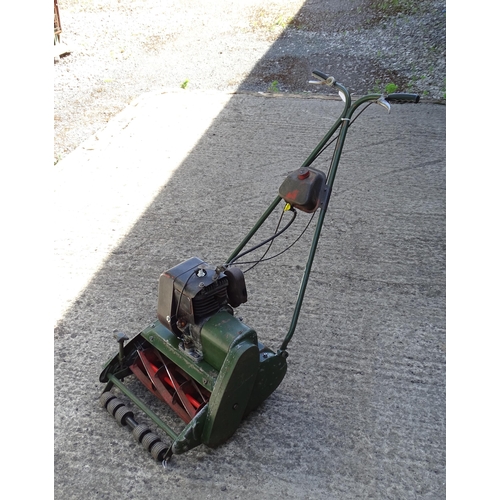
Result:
[197,356]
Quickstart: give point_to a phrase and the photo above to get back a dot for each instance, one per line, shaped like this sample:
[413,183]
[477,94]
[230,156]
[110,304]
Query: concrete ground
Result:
[361,411]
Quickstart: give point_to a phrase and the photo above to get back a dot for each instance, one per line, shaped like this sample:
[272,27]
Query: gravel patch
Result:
[119,49]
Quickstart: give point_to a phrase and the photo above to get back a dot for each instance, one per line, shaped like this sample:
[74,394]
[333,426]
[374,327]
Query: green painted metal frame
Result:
[140,404]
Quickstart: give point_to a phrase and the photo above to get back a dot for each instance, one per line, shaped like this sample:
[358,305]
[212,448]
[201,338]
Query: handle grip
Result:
[402,97]
[320,75]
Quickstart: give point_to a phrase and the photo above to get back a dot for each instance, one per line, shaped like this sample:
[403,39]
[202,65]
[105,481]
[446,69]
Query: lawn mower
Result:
[197,356]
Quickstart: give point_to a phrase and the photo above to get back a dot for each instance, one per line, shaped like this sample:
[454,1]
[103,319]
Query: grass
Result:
[389,88]
[184,84]
[283,21]
[273,86]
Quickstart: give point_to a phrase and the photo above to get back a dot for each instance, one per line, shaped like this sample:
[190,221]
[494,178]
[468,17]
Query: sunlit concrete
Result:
[103,187]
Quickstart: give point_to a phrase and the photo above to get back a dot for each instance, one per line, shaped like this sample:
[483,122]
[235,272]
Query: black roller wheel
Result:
[122,413]
[105,398]
[113,405]
[140,431]
[149,440]
[159,450]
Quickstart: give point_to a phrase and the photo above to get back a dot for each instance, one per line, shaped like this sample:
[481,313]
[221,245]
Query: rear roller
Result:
[142,433]
[105,398]
[149,440]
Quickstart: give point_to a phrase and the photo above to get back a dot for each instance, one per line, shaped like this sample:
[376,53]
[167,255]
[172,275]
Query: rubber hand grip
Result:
[320,75]
[402,97]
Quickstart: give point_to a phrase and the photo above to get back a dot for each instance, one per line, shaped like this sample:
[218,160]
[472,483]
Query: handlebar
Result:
[320,75]
[402,97]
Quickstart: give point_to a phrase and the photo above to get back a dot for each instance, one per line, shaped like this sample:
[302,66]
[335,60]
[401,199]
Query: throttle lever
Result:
[384,104]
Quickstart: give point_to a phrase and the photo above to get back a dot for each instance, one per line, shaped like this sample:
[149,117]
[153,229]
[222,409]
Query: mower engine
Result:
[190,293]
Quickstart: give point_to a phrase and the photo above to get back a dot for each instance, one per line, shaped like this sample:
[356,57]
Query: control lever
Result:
[384,104]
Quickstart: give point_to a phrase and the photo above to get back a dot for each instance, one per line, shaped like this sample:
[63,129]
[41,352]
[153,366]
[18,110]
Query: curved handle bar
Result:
[395,97]
[402,97]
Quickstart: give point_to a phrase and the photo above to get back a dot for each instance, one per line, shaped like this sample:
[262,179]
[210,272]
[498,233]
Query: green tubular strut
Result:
[334,128]
[150,413]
